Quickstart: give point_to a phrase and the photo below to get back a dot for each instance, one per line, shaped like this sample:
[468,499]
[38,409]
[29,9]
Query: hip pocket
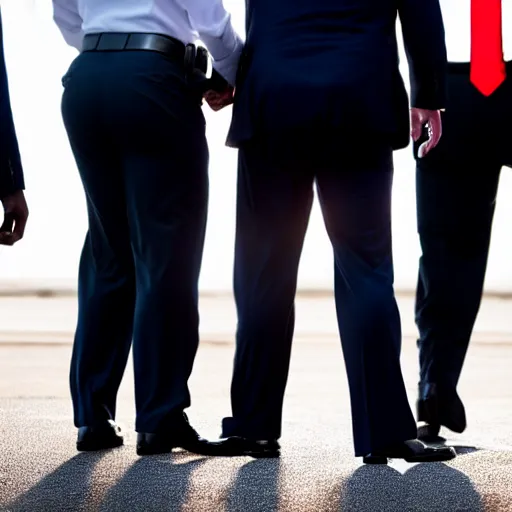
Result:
[69,73]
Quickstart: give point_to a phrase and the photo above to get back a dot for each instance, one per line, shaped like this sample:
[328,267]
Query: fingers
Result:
[13,229]
[19,228]
[211,96]
[8,224]
[216,105]
[6,230]
[219,100]
[435,132]
[416,125]
[429,145]
[432,120]
[423,149]
[416,129]
[15,218]
[7,239]
[437,129]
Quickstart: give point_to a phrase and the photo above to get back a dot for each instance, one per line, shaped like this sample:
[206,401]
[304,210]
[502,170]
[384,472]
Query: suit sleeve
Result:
[11,171]
[212,22]
[69,22]
[424,41]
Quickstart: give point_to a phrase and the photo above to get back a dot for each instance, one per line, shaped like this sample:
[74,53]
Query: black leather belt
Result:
[194,58]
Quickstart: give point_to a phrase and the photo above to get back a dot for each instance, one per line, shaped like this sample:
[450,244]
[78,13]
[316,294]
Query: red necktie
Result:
[487,64]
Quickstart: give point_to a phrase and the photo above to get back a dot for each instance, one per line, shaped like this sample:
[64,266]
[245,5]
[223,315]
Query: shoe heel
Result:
[375,459]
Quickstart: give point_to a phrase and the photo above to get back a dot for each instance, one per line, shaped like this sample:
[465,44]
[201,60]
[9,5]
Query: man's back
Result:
[321,79]
[183,20]
[302,31]
[324,63]
[317,43]
[158,16]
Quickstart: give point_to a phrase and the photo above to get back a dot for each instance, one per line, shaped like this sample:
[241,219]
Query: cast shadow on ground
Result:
[422,487]
[156,484]
[65,489]
[460,449]
[163,483]
[255,487]
[153,484]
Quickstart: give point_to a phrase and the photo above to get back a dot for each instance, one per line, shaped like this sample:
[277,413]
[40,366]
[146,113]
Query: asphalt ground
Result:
[41,471]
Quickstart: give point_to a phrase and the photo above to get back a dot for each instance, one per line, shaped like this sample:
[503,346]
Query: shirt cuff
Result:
[225,51]
[12,179]
[228,67]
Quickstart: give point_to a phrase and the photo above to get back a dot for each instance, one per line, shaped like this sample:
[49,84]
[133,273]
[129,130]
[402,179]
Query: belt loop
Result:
[127,41]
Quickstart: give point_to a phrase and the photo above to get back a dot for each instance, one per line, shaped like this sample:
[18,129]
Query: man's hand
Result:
[219,100]
[432,119]
[15,218]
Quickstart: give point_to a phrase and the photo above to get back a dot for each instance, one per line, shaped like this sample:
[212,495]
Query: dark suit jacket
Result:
[11,172]
[331,66]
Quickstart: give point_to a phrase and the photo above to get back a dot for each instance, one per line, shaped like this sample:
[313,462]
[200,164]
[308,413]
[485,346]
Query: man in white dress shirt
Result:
[456,195]
[132,111]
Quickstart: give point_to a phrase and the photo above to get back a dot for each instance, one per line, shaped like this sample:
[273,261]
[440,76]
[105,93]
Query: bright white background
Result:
[37,58]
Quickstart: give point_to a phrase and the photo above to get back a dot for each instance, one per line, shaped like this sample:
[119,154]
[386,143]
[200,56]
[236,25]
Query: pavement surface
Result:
[41,471]
[52,320]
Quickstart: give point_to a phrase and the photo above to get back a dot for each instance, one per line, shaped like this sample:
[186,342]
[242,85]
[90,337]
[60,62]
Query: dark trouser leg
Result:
[138,132]
[106,288]
[356,202]
[166,169]
[455,213]
[456,191]
[273,207]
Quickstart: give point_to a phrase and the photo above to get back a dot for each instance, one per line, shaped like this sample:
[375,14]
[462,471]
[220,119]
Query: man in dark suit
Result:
[320,100]
[456,189]
[11,171]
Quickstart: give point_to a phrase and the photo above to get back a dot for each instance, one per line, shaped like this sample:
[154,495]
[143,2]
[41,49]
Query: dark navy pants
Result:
[456,189]
[274,203]
[138,135]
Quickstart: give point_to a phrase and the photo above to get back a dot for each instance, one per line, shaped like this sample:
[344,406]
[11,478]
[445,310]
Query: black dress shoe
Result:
[437,409]
[243,447]
[101,437]
[411,451]
[182,435]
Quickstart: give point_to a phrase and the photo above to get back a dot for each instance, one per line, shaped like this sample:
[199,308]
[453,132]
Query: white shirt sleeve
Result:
[67,18]
[213,24]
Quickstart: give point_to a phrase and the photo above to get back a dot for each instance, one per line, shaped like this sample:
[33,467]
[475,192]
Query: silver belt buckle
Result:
[203,61]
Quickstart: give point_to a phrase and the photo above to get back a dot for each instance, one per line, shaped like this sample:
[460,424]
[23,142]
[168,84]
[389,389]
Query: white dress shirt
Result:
[186,20]
[457,25]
